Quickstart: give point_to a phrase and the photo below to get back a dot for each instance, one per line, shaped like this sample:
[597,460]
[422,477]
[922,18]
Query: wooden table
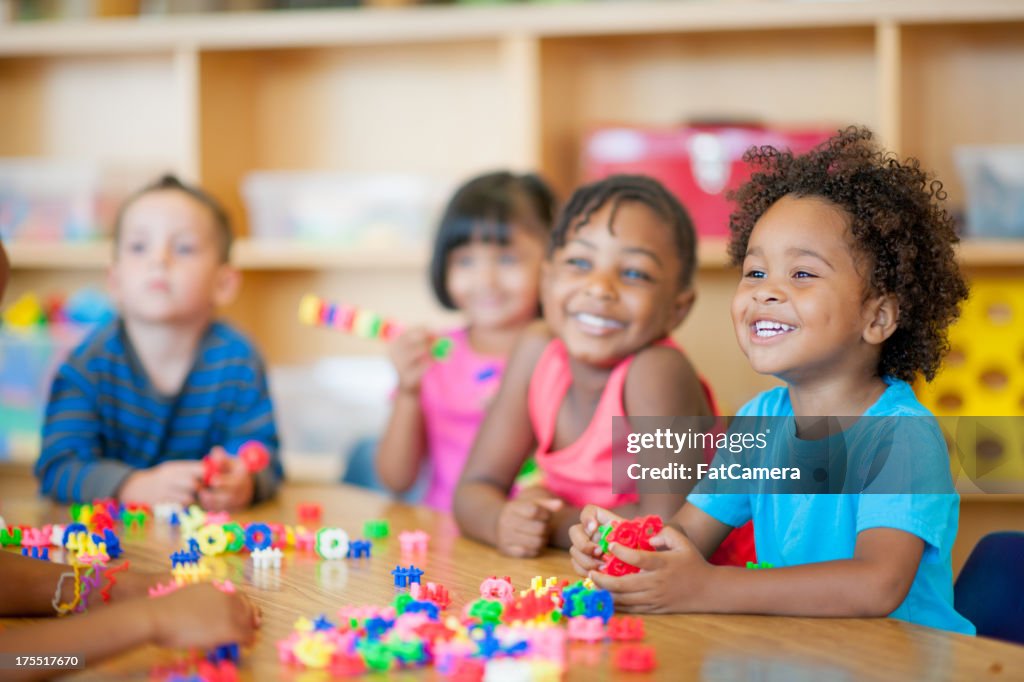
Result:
[688,646]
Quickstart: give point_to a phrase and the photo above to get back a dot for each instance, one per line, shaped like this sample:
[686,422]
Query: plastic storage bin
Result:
[323,409]
[699,164]
[361,210]
[28,360]
[993,179]
[48,200]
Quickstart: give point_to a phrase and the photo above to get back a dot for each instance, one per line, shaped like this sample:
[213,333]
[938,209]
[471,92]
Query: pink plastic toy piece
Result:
[413,541]
[500,589]
[586,629]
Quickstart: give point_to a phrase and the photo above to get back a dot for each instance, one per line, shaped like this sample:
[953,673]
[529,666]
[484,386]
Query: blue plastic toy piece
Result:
[358,549]
[598,603]
[70,529]
[322,623]
[113,543]
[427,607]
[414,574]
[401,576]
[258,536]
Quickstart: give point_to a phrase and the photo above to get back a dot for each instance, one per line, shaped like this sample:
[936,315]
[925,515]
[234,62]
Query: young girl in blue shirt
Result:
[849,284]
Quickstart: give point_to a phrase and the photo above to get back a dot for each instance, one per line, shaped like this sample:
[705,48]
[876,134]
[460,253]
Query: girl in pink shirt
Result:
[617,281]
[486,264]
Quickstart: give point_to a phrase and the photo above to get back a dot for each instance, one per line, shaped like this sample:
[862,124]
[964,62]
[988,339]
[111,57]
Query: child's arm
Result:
[403,445]
[194,616]
[678,579]
[661,383]
[71,466]
[251,419]
[27,586]
[481,505]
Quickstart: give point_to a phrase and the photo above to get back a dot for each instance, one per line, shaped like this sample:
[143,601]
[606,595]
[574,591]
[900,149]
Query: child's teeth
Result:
[595,321]
[769,328]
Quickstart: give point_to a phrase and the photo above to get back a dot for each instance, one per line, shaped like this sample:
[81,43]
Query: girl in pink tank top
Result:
[486,264]
[617,282]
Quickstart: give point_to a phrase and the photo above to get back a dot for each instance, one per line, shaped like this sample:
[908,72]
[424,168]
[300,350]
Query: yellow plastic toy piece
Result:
[212,540]
[24,313]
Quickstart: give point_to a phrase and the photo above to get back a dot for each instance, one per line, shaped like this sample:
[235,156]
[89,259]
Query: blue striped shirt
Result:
[105,420]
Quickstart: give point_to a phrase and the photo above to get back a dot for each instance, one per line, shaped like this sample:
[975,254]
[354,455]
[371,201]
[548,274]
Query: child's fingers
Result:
[582,541]
[625,588]
[645,561]
[583,560]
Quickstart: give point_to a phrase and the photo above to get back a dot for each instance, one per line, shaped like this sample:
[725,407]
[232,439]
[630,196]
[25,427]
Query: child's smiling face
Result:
[611,290]
[802,310]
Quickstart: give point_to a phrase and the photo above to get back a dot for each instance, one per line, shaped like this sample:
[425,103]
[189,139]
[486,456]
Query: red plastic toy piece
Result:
[468,670]
[615,566]
[101,521]
[309,512]
[625,629]
[254,455]
[636,658]
[111,580]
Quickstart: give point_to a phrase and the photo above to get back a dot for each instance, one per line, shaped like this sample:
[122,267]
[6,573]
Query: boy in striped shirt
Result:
[138,405]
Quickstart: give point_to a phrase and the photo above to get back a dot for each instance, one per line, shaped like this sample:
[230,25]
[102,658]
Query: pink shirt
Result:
[581,472]
[454,396]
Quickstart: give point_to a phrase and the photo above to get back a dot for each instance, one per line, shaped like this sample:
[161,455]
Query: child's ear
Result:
[681,306]
[883,314]
[226,284]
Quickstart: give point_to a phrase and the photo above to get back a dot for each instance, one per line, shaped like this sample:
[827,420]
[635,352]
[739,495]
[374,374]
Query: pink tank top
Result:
[580,473]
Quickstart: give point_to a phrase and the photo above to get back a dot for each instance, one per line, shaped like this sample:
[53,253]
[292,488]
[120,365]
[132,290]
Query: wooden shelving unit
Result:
[450,91]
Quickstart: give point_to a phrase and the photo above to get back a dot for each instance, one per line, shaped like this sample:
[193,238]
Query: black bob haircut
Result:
[483,209]
[641,189]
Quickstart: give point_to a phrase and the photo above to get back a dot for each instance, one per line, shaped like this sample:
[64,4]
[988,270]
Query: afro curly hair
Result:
[896,220]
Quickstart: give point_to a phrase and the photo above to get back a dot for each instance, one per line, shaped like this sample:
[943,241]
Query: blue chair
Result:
[990,588]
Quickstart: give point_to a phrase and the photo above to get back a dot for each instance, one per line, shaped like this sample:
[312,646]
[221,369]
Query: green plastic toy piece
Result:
[10,537]
[606,530]
[402,602]
[764,564]
[375,529]
[441,348]
[376,655]
[486,610]
[237,535]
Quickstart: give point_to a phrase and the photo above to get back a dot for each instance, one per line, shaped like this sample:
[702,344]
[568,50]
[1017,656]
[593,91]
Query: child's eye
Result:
[136,247]
[578,263]
[462,260]
[508,258]
[803,274]
[754,273]
[633,273]
[185,249]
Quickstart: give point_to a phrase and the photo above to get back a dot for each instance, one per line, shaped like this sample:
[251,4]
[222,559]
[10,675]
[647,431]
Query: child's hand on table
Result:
[231,487]
[410,354]
[670,580]
[201,616]
[175,481]
[525,523]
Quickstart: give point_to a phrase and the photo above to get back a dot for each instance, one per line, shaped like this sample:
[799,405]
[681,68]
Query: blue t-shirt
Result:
[794,529]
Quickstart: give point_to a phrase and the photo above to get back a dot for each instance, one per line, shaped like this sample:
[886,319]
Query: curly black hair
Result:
[639,188]
[483,208]
[896,219]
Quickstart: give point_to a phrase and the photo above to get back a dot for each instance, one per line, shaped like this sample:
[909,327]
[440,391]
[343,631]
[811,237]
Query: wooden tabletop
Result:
[688,646]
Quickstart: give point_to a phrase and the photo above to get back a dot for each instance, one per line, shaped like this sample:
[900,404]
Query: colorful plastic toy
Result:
[625,629]
[634,534]
[764,564]
[413,541]
[252,453]
[636,658]
[258,536]
[357,549]
[317,312]
[212,540]
[266,558]
[332,543]
[309,512]
[376,529]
